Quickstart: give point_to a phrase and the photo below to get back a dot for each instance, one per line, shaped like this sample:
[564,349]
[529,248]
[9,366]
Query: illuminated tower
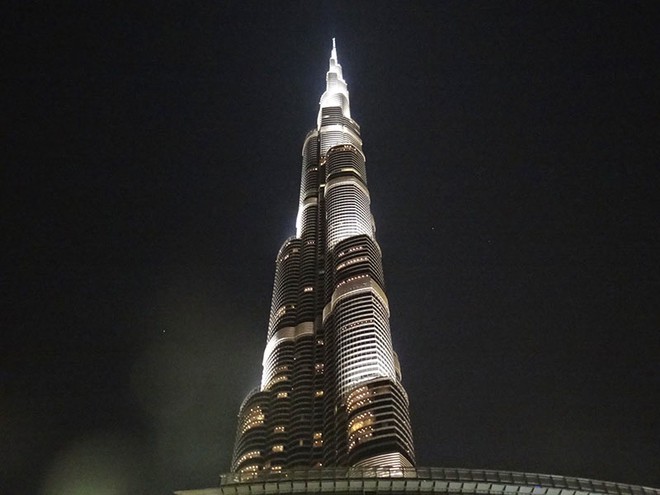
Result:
[331,392]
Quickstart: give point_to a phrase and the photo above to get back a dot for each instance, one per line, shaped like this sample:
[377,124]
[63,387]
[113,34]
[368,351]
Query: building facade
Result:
[331,392]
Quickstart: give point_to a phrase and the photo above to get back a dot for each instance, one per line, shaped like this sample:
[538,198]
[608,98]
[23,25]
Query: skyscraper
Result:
[331,392]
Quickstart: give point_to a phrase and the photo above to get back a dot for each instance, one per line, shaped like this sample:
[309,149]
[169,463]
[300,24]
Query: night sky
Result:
[151,166]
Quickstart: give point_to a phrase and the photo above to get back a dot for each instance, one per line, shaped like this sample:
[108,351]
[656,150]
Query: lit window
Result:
[278,448]
[319,393]
[248,455]
[278,379]
[249,469]
[360,429]
[278,429]
[254,417]
[282,395]
[318,435]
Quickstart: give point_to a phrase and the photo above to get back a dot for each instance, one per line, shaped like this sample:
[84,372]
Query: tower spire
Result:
[336,90]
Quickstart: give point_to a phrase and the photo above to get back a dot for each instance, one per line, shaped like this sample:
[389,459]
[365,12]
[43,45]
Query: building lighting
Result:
[328,344]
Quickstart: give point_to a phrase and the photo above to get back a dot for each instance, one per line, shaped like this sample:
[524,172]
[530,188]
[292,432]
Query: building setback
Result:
[331,392]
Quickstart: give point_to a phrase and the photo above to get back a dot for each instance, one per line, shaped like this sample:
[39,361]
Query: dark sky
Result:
[151,165]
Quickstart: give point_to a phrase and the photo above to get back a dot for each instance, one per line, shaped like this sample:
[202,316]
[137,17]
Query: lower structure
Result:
[413,480]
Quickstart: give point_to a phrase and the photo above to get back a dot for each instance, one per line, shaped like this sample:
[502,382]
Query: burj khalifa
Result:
[331,391]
